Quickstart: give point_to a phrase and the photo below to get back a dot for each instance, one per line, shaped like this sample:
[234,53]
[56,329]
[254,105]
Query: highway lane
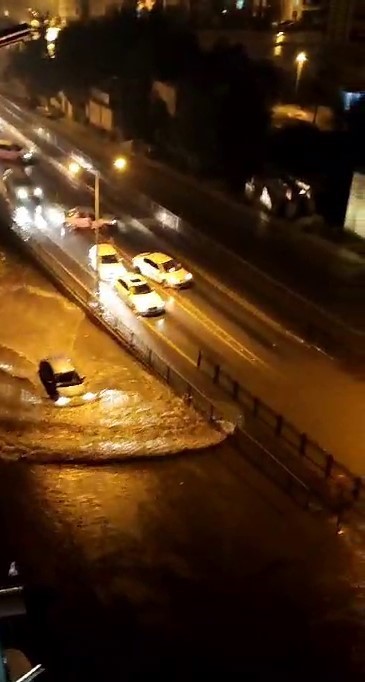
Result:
[247,232]
[182,312]
[36,128]
[307,386]
[195,245]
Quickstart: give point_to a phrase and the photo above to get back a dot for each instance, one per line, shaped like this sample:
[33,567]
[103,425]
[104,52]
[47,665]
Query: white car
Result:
[83,218]
[63,383]
[137,293]
[162,268]
[18,188]
[10,151]
[110,264]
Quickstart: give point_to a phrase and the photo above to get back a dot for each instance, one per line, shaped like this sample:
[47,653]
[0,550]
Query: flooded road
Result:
[136,415]
[182,568]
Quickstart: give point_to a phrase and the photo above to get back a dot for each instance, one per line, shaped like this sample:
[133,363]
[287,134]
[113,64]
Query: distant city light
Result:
[145,6]
[120,163]
[301,58]
[52,34]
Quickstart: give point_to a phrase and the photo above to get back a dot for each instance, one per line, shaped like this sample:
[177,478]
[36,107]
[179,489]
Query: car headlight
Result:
[55,216]
[62,401]
[22,193]
[38,192]
[89,396]
[27,156]
[189,276]
[21,216]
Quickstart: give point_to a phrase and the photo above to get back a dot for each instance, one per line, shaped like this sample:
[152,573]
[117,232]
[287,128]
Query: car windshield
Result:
[68,378]
[140,289]
[109,259]
[171,265]
[19,184]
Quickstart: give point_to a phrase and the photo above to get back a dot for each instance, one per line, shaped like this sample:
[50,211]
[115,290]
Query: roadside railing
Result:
[316,324]
[65,278]
[295,441]
[269,465]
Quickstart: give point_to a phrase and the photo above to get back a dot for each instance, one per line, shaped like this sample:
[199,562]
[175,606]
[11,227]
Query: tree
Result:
[31,64]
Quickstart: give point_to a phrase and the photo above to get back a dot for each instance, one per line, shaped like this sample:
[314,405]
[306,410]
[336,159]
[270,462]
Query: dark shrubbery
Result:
[222,97]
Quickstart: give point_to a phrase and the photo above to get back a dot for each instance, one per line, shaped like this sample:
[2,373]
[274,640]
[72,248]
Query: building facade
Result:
[346,21]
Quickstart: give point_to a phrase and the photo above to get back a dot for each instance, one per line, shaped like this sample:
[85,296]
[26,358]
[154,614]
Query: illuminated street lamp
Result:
[51,39]
[120,163]
[300,60]
[74,167]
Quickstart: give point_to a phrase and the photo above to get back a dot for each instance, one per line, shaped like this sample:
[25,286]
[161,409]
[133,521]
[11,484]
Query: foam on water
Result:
[136,414]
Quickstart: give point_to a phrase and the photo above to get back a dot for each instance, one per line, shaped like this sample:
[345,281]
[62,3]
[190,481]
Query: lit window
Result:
[240,4]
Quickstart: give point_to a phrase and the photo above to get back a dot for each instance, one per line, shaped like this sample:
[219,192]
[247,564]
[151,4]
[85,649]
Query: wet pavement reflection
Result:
[181,568]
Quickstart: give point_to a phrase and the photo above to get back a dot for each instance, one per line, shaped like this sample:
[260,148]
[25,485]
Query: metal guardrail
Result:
[32,674]
[79,292]
[319,327]
[62,275]
[261,458]
[297,442]
[255,452]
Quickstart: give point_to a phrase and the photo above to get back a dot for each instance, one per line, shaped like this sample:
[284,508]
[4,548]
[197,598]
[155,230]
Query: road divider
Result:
[323,330]
[340,482]
[72,280]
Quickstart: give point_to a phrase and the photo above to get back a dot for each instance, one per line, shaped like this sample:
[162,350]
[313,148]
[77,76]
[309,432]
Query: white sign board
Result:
[355,214]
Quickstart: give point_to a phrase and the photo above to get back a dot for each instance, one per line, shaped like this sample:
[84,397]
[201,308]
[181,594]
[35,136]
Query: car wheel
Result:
[46,380]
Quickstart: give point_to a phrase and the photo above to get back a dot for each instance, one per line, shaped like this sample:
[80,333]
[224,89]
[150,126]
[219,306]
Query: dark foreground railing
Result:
[294,440]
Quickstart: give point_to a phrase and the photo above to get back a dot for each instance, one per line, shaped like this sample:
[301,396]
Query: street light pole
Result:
[300,60]
[97,218]
[74,167]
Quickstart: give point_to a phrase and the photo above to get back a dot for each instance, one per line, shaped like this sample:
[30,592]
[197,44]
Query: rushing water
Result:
[136,414]
[183,568]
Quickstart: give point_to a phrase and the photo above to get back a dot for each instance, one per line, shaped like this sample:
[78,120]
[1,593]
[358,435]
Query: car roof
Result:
[158,257]
[132,278]
[60,363]
[82,209]
[104,249]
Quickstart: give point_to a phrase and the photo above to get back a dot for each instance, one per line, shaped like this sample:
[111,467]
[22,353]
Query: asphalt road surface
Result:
[312,270]
[187,568]
[136,415]
[183,569]
[310,388]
